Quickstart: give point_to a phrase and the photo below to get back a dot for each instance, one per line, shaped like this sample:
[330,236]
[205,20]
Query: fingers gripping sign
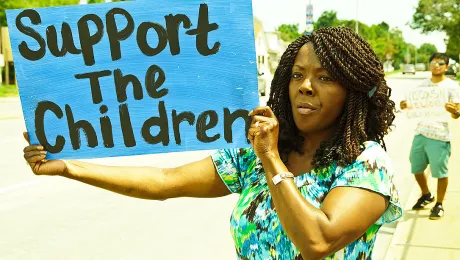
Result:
[33,153]
[35,157]
[264,130]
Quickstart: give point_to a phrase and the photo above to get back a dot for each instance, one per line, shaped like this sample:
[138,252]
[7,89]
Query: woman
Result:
[316,182]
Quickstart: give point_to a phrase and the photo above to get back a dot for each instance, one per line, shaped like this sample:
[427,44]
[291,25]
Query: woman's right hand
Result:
[35,157]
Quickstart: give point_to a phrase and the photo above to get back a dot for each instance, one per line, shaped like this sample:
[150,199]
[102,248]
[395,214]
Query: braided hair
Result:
[368,111]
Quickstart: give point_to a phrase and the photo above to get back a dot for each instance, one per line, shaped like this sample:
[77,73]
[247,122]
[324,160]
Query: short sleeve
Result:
[227,163]
[373,171]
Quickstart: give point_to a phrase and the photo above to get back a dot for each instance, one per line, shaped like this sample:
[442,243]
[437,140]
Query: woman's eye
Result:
[296,75]
[326,78]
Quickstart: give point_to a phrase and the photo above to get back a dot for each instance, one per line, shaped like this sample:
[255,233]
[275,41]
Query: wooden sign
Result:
[130,78]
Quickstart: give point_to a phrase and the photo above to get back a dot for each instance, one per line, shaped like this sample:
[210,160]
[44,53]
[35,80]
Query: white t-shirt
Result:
[439,130]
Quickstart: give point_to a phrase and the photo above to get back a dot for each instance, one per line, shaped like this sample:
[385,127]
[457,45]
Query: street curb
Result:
[402,77]
[396,233]
[9,99]
[10,117]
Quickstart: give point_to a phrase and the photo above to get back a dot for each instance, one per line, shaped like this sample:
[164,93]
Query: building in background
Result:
[269,48]
[7,68]
[276,48]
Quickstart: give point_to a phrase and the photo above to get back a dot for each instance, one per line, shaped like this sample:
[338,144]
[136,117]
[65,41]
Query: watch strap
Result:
[281,177]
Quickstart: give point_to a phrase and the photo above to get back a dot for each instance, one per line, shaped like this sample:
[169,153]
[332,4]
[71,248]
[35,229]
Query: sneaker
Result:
[437,212]
[422,202]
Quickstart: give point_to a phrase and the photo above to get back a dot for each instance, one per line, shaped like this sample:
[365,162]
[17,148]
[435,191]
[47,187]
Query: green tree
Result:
[17,4]
[14,4]
[289,32]
[384,41]
[427,48]
[440,15]
[453,46]
[3,7]
[399,45]
[327,19]
[425,51]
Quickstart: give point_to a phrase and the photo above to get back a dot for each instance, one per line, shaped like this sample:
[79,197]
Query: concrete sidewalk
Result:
[10,108]
[417,237]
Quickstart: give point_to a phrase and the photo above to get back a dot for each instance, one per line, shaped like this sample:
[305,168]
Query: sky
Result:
[396,13]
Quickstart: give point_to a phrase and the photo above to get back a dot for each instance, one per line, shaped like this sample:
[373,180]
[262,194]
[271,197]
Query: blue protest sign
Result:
[140,77]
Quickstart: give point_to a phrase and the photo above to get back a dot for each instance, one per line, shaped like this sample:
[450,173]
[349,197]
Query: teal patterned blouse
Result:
[255,226]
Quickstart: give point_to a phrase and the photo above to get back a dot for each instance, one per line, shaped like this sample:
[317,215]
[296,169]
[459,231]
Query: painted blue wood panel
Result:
[195,82]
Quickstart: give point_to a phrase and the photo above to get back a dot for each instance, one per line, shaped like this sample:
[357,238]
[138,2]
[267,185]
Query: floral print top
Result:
[255,227]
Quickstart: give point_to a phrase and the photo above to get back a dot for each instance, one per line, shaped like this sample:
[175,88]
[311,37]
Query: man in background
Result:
[431,144]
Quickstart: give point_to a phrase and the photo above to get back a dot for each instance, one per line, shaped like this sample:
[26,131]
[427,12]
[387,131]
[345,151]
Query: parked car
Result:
[420,67]
[408,68]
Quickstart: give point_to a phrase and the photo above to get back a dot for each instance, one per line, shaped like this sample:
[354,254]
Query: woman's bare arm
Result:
[197,179]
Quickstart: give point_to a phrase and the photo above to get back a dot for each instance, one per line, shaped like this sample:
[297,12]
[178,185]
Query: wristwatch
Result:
[281,177]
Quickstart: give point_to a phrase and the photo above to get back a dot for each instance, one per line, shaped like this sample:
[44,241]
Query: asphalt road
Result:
[55,218]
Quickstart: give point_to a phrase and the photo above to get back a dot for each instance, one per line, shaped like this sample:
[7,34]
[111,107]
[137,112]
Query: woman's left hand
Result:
[263,132]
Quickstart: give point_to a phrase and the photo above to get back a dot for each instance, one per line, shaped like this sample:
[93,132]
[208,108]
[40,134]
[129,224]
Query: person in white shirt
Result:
[431,144]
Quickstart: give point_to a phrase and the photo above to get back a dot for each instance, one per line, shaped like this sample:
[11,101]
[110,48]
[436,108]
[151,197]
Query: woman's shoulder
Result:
[373,170]
[372,150]
[373,157]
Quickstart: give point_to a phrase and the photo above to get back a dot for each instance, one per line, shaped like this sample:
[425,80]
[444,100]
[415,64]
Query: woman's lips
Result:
[305,111]
[305,108]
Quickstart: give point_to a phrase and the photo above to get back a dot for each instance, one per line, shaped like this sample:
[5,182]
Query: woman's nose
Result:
[306,88]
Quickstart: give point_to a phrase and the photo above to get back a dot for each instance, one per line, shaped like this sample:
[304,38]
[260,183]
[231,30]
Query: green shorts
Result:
[426,151]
